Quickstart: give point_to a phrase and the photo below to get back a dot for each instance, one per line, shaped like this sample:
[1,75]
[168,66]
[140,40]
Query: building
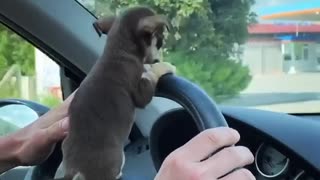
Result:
[286,41]
[283,48]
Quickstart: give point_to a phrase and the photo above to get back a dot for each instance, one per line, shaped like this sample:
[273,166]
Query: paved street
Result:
[284,93]
[256,99]
[298,107]
[296,83]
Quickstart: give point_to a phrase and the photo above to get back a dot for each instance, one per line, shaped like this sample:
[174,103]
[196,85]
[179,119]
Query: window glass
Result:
[306,52]
[249,53]
[25,73]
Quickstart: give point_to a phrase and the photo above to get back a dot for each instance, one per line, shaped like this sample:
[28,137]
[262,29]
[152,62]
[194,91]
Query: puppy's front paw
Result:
[149,75]
[162,68]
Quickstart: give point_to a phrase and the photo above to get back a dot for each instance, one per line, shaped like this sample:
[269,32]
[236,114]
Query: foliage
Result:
[3,66]
[6,127]
[15,50]
[50,101]
[203,39]
[220,78]
[100,8]
[200,44]
[9,91]
[214,24]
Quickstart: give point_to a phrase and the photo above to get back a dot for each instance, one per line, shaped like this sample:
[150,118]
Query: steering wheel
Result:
[192,98]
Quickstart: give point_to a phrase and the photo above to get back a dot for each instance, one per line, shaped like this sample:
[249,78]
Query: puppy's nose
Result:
[156,61]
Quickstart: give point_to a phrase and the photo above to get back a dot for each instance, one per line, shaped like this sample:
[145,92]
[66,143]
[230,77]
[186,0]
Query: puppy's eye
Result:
[159,43]
[147,37]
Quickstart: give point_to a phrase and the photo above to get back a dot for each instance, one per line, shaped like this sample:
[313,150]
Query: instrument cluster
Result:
[272,164]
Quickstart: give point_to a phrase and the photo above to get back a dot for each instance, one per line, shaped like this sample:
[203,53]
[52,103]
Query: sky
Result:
[268,7]
[261,4]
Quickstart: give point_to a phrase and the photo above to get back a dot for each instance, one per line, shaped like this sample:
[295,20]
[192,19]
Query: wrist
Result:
[9,147]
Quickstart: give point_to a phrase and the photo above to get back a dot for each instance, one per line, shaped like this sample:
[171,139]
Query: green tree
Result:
[214,24]
[15,50]
[203,39]
[221,78]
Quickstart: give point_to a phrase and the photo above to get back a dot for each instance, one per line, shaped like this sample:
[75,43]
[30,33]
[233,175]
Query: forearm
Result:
[8,153]
[13,147]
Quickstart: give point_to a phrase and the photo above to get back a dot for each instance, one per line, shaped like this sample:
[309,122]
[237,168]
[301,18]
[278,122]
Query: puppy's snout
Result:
[156,61]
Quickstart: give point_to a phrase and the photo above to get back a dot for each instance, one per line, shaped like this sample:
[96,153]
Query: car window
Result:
[258,54]
[25,73]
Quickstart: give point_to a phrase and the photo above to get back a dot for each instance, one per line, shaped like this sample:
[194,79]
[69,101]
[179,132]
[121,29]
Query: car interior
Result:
[286,146]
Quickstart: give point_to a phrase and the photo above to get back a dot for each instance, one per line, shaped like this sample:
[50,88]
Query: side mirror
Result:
[16,114]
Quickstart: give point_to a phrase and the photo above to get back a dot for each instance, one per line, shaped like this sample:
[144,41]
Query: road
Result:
[284,83]
[298,107]
[281,92]
[256,99]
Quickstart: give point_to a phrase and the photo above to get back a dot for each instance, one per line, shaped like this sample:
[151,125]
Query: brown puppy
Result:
[102,111]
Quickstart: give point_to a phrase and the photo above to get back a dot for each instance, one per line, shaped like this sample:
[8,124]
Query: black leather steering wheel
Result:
[195,102]
[193,99]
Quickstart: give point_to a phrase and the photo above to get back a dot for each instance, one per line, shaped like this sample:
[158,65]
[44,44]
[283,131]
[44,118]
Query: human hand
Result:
[155,71]
[162,68]
[37,143]
[185,163]
[34,143]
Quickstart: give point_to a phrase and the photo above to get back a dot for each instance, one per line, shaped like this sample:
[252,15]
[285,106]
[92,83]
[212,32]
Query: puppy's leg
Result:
[122,165]
[145,90]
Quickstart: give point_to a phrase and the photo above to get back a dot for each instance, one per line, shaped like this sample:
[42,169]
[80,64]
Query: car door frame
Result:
[75,48]
[77,45]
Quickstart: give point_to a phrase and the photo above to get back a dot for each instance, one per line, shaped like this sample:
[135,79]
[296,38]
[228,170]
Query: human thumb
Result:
[58,130]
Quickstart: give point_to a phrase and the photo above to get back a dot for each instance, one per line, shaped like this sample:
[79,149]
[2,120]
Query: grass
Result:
[47,100]
[9,91]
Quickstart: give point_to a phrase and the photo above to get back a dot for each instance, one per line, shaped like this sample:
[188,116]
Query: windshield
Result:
[263,54]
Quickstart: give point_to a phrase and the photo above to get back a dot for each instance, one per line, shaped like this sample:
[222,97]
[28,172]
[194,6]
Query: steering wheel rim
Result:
[196,101]
[201,107]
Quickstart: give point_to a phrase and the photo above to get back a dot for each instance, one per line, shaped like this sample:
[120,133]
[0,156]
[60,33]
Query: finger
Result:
[207,142]
[58,130]
[55,114]
[51,117]
[240,174]
[227,160]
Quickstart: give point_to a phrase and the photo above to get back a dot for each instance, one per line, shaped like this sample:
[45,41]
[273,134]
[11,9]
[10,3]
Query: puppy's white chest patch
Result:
[122,165]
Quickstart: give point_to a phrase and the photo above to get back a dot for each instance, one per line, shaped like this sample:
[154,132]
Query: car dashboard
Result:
[286,147]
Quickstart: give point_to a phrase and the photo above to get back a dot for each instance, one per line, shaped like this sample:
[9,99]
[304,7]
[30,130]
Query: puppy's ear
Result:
[103,25]
[150,24]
